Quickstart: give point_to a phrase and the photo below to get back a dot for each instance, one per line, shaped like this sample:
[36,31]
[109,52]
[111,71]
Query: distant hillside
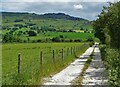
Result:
[57,21]
[48,15]
[31,27]
[60,16]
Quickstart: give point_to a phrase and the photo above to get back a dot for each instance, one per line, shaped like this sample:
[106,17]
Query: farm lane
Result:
[71,72]
[95,74]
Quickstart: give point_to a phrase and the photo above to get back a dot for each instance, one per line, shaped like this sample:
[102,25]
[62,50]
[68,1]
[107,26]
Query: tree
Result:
[8,38]
[108,25]
[61,36]
[28,39]
[99,33]
[18,20]
[56,39]
[32,33]
[90,39]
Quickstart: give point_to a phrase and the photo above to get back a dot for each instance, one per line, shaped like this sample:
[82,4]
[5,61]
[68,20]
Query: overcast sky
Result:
[88,9]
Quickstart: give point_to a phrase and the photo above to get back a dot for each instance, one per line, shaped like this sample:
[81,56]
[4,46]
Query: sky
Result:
[88,9]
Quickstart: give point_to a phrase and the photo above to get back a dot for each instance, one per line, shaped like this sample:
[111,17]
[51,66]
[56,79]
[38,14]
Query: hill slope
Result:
[53,20]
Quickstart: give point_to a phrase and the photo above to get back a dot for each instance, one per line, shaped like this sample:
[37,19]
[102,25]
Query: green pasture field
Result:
[32,71]
[66,35]
[49,35]
[53,23]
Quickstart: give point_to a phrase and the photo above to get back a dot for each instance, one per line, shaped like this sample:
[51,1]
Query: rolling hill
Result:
[18,25]
[54,20]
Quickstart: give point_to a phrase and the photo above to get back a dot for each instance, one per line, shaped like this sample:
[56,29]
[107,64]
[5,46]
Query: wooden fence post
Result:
[62,54]
[67,51]
[71,50]
[41,57]
[53,56]
[79,48]
[19,62]
[74,50]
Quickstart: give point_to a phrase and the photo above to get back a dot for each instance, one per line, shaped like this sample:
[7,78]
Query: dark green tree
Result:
[32,33]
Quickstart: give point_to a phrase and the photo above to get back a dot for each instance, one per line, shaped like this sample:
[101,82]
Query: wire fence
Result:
[44,63]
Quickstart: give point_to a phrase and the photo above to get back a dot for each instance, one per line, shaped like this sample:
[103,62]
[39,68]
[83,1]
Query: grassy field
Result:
[32,71]
[16,39]
[66,35]
[57,24]
[44,36]
[16,27]
[9,21]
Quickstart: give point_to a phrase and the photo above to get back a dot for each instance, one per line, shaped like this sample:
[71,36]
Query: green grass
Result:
[66,35]
[54,23]
[31,70]
[49,35]
[57,24]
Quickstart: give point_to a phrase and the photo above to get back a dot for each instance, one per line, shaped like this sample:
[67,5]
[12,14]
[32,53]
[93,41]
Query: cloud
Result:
[14,6]
[78,6]
[89,9]
[38,0]
[59,1]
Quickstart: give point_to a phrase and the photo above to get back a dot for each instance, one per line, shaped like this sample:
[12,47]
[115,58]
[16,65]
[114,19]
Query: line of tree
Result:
[107,29]
[7,38]
[107,26]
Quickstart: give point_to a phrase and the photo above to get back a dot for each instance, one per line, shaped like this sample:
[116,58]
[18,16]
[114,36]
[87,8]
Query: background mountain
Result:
[54,20]
[47,15]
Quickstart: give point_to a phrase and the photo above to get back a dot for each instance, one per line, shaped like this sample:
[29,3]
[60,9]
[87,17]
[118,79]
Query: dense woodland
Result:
[107,29]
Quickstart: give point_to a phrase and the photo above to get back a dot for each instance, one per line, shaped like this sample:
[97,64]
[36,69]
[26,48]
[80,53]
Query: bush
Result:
[7,38]
[10,38]
[18,20]
[90,39]
[38,40]
[91,44]
[77,40]
[70,40]
[33,41]
[18,25]
[61,36]
[111,58]
[32,33]
[56,39]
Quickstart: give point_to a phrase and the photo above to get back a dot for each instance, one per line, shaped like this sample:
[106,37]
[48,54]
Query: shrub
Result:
[90,39]
[18,20]
[56,39]
[91,44]
[111,58]
[77,40]
[61,36]
[32,33]
[71,40]
[38,40]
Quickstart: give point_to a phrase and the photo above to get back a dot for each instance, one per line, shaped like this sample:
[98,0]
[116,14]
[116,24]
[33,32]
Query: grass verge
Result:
[78,81]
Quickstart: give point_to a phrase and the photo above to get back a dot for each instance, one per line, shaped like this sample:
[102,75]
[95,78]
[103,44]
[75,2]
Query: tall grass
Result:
[32,71]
